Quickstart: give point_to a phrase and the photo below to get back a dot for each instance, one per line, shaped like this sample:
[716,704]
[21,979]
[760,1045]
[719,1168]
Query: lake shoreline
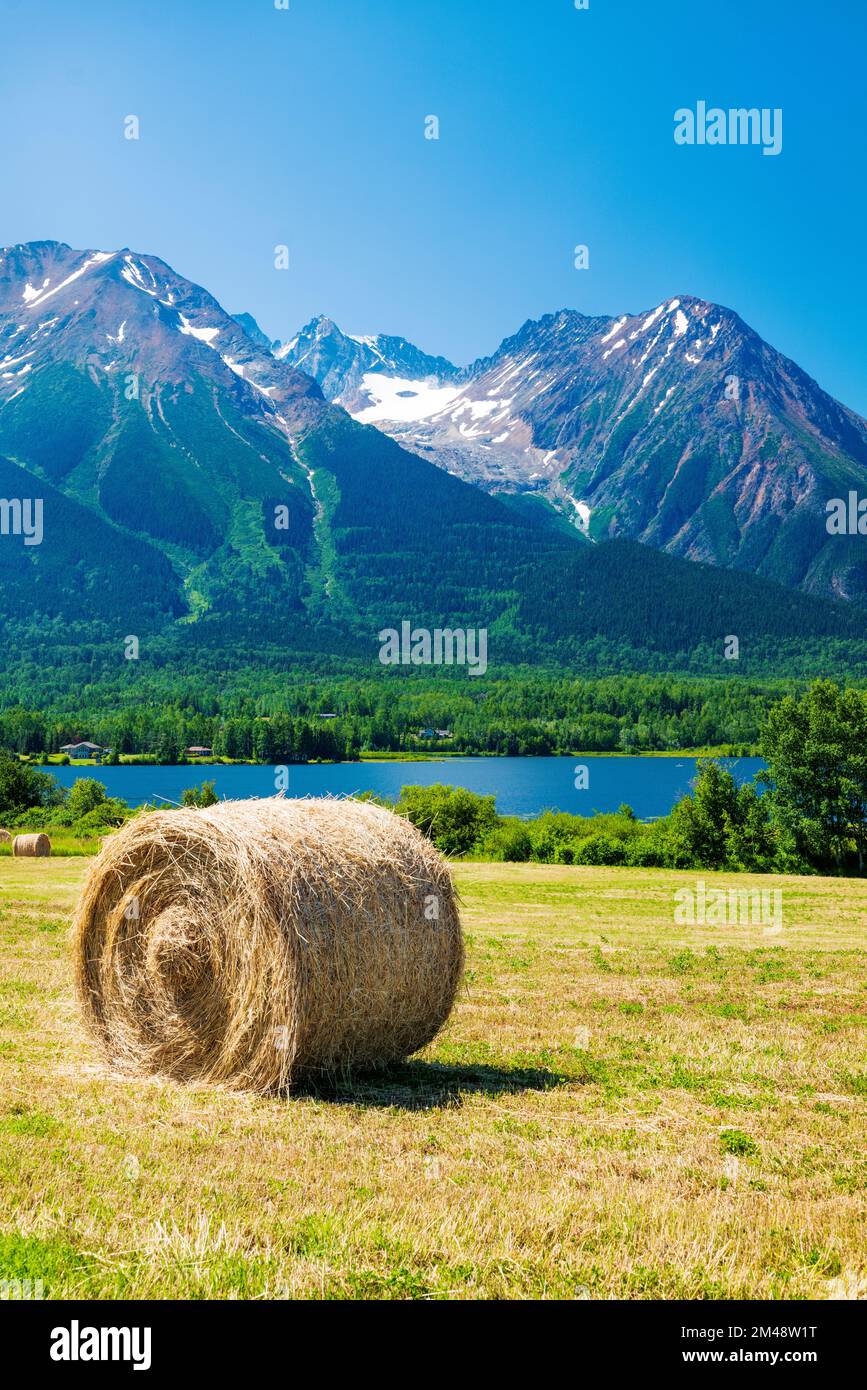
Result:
[130,760]
[524,787]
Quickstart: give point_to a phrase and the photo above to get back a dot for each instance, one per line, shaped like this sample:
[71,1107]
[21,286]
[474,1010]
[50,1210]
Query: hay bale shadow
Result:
[428,1085]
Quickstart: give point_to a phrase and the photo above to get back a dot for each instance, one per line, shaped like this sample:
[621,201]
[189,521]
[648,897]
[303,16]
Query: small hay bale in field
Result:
[260,943]
[5,837]
[30,845]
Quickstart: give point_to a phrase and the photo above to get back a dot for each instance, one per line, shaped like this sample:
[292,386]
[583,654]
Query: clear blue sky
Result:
[261,126]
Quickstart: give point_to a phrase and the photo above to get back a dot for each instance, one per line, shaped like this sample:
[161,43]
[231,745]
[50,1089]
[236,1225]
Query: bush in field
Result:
[455,819]
[87,806]
[109,814]
[509,843]
[551,831]
[648,850]
[599,849]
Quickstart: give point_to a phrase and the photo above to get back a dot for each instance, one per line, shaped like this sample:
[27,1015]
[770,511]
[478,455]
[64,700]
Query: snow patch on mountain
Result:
[33,298]
[398,398]
[651,318]
[666,398]
[133,276]
[614,329]
[204,335]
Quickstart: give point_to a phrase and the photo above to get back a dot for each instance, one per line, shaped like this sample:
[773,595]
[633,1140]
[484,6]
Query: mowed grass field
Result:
[619,1108]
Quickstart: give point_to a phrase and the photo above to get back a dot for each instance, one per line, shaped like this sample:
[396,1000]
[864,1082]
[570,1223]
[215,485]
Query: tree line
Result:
[805,813]
[293,719]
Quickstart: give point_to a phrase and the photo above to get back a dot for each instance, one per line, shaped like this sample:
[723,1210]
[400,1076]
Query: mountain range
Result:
[202,484]
[678,427]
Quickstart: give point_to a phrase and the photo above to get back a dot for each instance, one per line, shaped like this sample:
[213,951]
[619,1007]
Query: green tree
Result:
[200,796]
[697,824]
[22,787]
[455,819]
[84,795]
[88,806]
[816,750]
[720,825]
[169,746]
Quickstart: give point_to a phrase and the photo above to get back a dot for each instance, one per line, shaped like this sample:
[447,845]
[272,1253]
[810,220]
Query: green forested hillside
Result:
[86,577]
[162,525]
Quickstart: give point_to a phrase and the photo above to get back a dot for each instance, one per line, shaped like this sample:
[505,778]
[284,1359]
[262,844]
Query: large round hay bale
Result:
[259,943]
[31,845]
[5,837]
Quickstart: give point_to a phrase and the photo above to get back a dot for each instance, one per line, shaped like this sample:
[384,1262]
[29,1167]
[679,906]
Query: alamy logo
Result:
[22,516]
[739,125]
[729,907]
[846,517]
[443,647]
[76,1343]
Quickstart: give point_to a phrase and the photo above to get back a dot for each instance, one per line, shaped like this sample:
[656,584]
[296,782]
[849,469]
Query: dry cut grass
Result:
[620,1107]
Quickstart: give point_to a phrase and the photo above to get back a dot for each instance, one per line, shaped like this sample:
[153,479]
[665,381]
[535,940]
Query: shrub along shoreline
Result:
[806,814]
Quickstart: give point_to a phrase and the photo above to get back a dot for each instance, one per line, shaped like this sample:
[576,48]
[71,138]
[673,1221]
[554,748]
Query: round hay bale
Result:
[31,845]
[5,837]
[260,943]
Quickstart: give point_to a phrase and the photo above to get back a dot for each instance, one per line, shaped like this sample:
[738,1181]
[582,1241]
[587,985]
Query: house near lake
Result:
[84,749]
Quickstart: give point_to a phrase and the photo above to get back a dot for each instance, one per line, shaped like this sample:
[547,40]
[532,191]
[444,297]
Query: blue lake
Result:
[522,786]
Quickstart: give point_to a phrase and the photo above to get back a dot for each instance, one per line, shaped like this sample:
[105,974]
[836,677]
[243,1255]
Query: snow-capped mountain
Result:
[154,432]
[119,312]
[679,427]
[184,473]
[195,487]
[375,378]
